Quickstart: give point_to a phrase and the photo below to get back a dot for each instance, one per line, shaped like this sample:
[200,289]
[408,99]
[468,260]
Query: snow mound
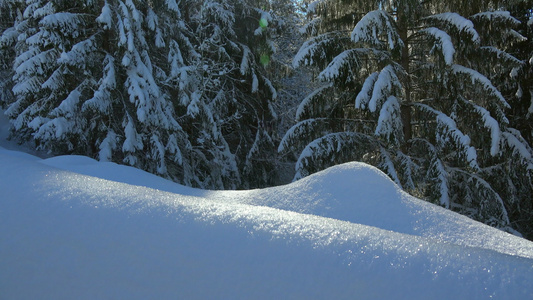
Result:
[354,192]
[360,193]
[65,235]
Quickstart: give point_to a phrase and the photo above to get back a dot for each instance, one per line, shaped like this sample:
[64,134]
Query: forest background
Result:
[239,94]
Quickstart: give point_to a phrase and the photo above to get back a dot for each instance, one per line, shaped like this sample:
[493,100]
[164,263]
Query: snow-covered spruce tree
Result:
[412,89]
[174,88]
[47,90]
[143,57]
[8,15]
[229,108]
[522,101]
[521,114]
[292,84]
[84,83]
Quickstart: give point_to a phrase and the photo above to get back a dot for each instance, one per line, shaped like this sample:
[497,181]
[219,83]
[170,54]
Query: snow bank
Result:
[354,192]
[65,235]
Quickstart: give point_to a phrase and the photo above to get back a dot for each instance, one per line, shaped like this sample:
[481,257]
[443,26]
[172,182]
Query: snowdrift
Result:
[71,227]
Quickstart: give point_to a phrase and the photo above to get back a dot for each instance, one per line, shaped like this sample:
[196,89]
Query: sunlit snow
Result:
[75,228]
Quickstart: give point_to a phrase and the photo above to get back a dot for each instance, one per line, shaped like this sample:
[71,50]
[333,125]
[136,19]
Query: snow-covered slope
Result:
[353,192]
[347,232]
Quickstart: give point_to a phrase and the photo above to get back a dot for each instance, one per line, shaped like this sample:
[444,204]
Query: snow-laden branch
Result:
[490,123]
[172,5]
[442,177]
[494,127]
[305,128]
[157,153]
[407,168]
[490,202]
[497,16]
[27,86]
[311,27]
[489,50]
[519,146]
[77,55]
[101,100]
[246,58]
[375,26]
[362,99]
[347,59]
[377,88]
[447,128]
[36,11]
[34,61]
[315,49]
[388,166]
[54,129]
[307,102]
[68,106]
[8,37]
[351,60]
[390,123]
[105,18]
[479,78]
[64,21]
[456,21]
[271,88]
[384,86]
[326,149]
[133,140]
[174,149]
[107,146]
[443,40]
[311,8]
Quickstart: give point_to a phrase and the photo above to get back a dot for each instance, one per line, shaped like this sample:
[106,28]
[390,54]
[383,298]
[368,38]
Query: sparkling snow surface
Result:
[75,228]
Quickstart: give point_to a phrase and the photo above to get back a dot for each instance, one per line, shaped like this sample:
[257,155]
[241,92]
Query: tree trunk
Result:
[406,104]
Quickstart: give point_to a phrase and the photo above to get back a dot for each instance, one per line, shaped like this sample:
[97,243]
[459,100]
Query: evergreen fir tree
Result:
[170,87]
[9,10]
[46,85]
[415,90]
[521,118]
[88,87]
[230,108]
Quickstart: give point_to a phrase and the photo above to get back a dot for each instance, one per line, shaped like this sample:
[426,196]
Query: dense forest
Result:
[238,94]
